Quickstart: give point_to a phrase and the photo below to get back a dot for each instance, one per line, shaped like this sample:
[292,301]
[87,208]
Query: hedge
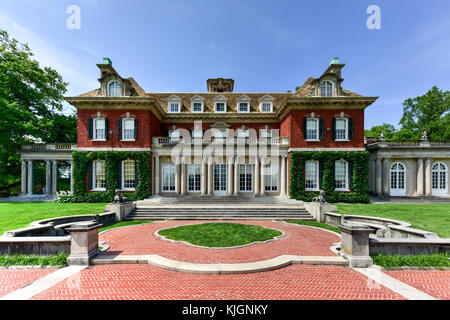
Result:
[80,162]
[359,175]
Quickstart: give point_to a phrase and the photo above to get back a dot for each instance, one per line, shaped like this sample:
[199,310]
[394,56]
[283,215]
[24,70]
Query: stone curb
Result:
[416,268]
[221,268]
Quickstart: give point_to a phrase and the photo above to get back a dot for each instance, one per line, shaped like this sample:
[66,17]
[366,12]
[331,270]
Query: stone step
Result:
[220,217]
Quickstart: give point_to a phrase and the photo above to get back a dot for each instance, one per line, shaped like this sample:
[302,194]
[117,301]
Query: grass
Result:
[124,224]
[428,217]
[440,260]
[316,224]
[59,260]
[16,215]
[220,234]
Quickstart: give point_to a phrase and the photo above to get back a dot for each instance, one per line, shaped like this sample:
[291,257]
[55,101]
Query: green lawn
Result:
[316,224]
[429,217]
[15,215]
[220,234]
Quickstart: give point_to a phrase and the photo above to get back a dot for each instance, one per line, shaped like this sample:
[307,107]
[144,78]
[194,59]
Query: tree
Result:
[30,99]
[429,112]
[388,129]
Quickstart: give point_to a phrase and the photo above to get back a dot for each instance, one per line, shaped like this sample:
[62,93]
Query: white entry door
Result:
[439,180]
[398,180]
[220,180]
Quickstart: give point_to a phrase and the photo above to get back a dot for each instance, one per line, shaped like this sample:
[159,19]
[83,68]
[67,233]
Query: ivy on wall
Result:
[80,162]
[358,175]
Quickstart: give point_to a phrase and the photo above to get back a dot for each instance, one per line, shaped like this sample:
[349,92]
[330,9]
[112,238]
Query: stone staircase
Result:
[211,208]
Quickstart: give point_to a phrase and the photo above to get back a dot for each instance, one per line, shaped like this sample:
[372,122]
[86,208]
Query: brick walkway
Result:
[433,282]
[298,240]
[133,282]
[14,279]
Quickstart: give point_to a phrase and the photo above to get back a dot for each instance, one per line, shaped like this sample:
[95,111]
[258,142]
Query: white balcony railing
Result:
[49,146]
[207,140]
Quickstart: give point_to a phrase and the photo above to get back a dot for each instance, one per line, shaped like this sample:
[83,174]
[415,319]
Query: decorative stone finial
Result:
[424,136]
[382,137]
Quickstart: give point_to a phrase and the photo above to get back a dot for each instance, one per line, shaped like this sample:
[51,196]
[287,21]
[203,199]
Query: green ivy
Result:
[80,162]
[359,192]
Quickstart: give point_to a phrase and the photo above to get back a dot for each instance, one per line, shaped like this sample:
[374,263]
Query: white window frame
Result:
[224,106]
[346,187]
[248,168]
[174,103]
[317,129]
[272,169]
[346,129]
[123,129]
[399,192]
[108,91]
[440,192]
[164,167]
[239,106]
[192,106]
[326,88]
[190,170]
[266,102]
[94,129]
[94,175]
[316,163]
[123,176]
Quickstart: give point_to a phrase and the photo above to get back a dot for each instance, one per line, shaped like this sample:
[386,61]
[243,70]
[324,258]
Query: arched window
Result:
[114,89]
[439,179]
[326,89]
[398,179]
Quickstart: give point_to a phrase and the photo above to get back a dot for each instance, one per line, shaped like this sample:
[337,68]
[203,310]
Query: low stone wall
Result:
[394,246]
[318,210]
[121,210]
[41,246]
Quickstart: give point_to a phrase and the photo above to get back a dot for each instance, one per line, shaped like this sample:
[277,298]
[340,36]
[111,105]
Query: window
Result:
[194,173]
[266,107]
[128,175]
[326,89]
[311,175]
[168,177]
[271,177]
[245,177]
[312,129]
[174,107]
[128,129]
[99,129]
[197,106]
[242,133]
[341,175]
[99,175]
[220,106]
[398,179]
[341,132]
[114,89]
[243,107]
[439,179]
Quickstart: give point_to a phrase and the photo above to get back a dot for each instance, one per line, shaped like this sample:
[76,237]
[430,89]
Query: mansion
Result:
[225,143]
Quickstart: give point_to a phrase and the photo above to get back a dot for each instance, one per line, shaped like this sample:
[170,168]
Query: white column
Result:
[157,179]
[30,177]
[283,177]
[48,177]
[262,186]
[23,181]
[177,176]
[236,175]
[386,177]
[183,177]
[256,176]
[428,177]
[420,177]
[230,176]
[210,177]
[54,176]
[378,178]
[204,179]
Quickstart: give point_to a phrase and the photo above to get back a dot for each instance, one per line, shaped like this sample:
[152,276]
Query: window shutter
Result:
[120,175]
[106,128]
[119,125]
[350,128]
[334,128]
[304,128]
[320,128]
[350,175]
[90,175]
[136,176]
[135,128]
[90,128]
[320,175]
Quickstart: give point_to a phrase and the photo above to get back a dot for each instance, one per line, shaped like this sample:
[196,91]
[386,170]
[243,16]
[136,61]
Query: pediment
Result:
[220,125]
[197,98]
[173,98]
[244,97]
[267,98]
[220,97]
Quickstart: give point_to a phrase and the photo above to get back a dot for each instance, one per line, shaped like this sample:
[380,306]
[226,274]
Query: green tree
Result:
[30,99]
[388,129]
[429,112]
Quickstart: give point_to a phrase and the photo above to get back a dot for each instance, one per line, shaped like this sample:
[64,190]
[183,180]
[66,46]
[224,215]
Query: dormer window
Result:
[174,104]
[266,104]
[243,107]
[243,104]
[197,103]
[326,88]
[114,89]
[220,104]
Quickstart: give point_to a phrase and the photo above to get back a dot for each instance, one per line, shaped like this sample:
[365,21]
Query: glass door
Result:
[220,180]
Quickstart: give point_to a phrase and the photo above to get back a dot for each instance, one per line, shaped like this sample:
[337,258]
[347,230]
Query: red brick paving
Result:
[14,279]
[433,282]
[139,282]
[298,240]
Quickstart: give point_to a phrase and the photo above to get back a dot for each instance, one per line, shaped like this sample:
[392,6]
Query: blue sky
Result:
[266,46]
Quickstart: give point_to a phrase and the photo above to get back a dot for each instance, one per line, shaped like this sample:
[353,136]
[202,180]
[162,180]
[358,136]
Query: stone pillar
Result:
[386,188]
[283,176]
[157,178]
[54,176]
[210,177]
[262,185]
[419,177]
[204,177]
[48,175]
[23,186]
[30,177]
[183,177]
[428,177]
[177,177]
[355,244]
[379,177]
[230,176]
[256,176]
[236,176]
[83,243]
